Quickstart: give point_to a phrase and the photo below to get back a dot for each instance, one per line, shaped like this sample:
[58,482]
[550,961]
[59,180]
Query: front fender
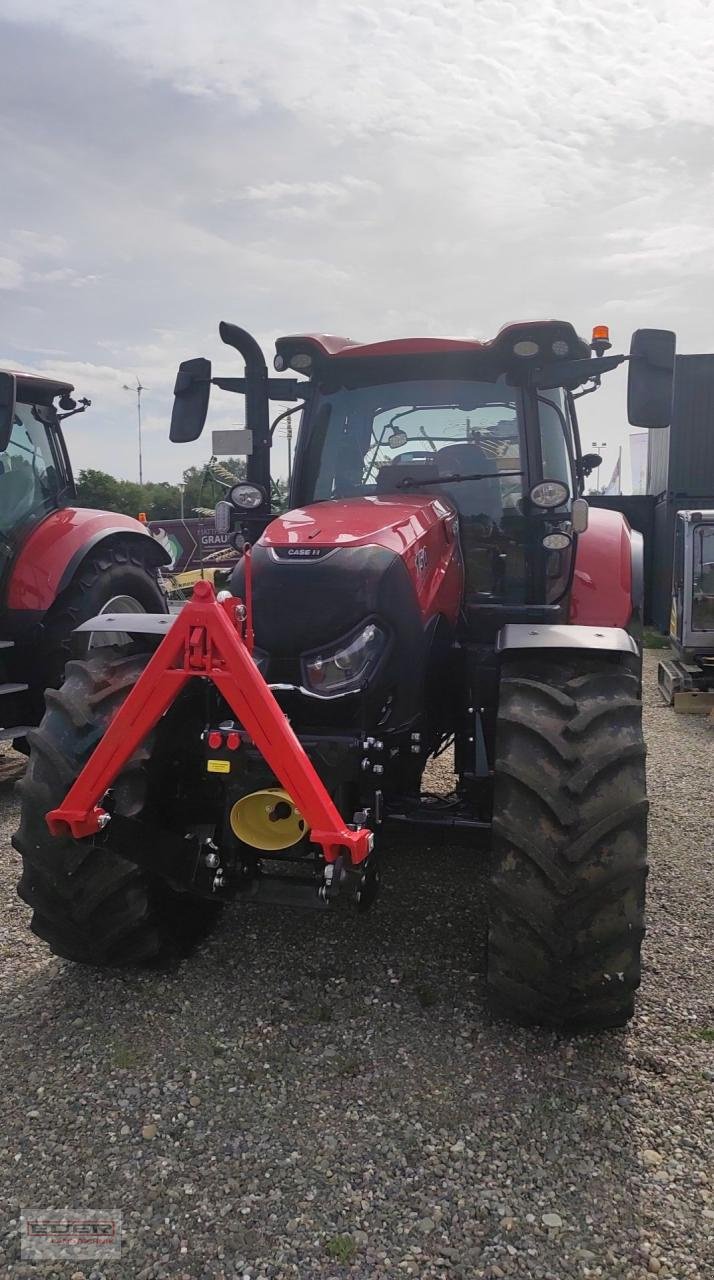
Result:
[596,639]
[51,555]
[602,592]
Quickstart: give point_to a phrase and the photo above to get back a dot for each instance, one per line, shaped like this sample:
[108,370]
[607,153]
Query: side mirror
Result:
[7,408]
[191,396]
[650,379]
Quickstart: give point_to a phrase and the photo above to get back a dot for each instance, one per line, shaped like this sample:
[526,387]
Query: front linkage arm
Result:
[206,642]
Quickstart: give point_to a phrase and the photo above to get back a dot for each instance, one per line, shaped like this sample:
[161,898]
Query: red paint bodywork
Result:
[420,530]
[602,583]
[48,551]
[204,641]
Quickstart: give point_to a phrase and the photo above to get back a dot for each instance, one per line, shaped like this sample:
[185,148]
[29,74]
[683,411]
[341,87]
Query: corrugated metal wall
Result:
[691,452]
[657,461]
[680,460]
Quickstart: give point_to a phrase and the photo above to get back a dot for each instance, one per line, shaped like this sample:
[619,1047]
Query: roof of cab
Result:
[35,385]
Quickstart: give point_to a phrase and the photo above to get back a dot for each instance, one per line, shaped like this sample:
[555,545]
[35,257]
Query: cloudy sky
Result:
[368,167]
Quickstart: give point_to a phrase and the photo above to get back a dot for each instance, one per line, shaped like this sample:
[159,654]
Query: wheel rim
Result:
[117,605]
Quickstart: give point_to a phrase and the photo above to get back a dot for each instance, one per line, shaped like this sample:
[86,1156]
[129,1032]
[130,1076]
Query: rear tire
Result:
[89,904]
[569,858]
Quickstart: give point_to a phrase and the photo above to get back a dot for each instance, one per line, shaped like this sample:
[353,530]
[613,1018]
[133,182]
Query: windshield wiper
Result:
[410,483]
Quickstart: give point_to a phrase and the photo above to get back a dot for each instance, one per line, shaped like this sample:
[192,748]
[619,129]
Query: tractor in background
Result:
[437,583]
[59,564]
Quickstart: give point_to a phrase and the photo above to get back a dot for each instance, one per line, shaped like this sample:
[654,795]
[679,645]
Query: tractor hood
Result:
[321,572]
[395,523]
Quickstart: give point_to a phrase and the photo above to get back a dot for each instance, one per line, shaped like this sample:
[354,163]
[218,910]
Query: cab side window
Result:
[29,483]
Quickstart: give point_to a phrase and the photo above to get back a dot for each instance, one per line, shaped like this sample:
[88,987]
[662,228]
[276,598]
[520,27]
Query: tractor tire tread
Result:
[568,864]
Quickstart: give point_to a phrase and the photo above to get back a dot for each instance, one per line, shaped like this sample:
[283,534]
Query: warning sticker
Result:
[218,766]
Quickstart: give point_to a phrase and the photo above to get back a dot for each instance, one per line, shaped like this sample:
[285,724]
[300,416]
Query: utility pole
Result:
[598,447]
[138,390]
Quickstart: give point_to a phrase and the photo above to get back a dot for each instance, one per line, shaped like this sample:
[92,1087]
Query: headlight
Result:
[560,348]
[549,493]
[347,665]
[247,497]
[557,541]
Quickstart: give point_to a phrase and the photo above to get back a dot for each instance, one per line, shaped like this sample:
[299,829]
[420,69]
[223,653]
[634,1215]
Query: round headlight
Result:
[526,347]
[560,348]
[557,541]
[302,362]
[247,497]
[280,364]
[549,493]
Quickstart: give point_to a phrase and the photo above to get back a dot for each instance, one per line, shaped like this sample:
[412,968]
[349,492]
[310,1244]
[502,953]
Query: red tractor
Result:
[437,583]
[59,564]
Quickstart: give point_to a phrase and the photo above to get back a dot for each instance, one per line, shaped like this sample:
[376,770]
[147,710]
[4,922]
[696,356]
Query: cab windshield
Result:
[456,438]
[389,438]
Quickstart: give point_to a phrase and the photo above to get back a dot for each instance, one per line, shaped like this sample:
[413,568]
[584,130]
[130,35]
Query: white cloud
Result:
[11,273]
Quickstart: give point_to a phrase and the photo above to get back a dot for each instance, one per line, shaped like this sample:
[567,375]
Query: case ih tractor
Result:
[59,564]
[438,582]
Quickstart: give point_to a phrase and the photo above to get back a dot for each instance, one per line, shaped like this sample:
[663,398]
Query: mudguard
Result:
[601,639]
[51,554]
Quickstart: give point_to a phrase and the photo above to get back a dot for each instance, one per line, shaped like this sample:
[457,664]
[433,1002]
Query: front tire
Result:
[569,858]
[89,904]
[119,570]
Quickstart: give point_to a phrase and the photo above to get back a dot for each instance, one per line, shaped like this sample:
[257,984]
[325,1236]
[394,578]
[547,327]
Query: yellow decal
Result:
[218,766]
[673,619]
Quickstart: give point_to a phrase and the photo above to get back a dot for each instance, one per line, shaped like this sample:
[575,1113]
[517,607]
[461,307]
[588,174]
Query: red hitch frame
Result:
[207,641]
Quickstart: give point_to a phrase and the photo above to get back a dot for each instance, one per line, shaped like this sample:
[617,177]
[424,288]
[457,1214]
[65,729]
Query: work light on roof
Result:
[525,347]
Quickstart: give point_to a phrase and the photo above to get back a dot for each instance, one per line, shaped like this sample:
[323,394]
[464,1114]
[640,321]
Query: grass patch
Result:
[125,1057]
[652,639]
[341,1248]
[706,1033]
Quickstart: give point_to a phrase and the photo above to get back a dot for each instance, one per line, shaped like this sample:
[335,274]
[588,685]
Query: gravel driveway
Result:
[321,1096]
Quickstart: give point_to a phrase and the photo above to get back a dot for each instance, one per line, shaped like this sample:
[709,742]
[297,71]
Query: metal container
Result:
[680,459]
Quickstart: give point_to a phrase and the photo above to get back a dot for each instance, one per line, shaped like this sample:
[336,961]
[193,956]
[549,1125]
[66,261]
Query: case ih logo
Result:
[301,553]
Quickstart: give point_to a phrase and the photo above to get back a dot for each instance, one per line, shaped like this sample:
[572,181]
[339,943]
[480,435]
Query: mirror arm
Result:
[571,373]
[278,388]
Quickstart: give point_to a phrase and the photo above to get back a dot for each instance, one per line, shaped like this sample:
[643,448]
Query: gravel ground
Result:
[321,1096]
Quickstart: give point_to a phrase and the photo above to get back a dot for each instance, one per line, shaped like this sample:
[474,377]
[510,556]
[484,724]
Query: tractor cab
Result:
[35,473]
[486,428]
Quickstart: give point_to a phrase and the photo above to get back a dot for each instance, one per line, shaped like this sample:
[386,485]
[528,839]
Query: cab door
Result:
[33,479]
